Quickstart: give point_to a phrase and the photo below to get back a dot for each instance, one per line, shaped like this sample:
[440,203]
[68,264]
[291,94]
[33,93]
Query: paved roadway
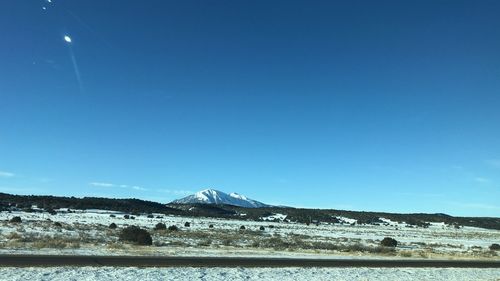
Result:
[165,261]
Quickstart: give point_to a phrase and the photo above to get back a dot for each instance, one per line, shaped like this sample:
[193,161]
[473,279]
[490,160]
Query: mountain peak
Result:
[213,196]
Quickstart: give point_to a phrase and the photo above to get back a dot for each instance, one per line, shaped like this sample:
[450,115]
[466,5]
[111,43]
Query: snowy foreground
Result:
[87,233]
[261,274]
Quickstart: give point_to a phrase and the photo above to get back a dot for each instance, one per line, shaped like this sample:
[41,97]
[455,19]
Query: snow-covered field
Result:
[261,274]
[87,232]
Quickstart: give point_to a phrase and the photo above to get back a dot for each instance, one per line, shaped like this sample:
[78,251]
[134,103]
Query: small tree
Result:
[389,242]
[187,224]
[16,220]
[136,235]
[113,226]
[242,227]
[160,226]
[494,247]
[211,226]
[262,228]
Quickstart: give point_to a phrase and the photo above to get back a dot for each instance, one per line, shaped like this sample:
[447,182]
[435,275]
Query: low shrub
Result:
[389,242]
[173,228]
[57,224]
[187,224]
[16,220]
[151,217]
[112,216]
[136,235]
[242,227]
[494,247]
[160,226]
[211,226]
[112,226]
[126,217]
[261,228]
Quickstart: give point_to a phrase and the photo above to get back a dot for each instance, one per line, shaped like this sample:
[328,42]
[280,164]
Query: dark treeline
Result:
[54,202]
[330,216]
[308,216]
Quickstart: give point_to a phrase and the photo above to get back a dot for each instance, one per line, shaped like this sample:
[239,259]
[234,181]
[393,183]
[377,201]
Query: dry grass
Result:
[115,246]
[406,254]
[205,243]
[13,236]
[57,242]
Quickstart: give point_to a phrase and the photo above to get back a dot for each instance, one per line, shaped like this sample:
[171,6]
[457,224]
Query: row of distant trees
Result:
[293,214]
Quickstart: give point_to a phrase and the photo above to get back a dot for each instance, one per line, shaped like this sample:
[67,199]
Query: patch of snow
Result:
[257,274]
[390,222]
[347,220]
[98,211]
[273,217]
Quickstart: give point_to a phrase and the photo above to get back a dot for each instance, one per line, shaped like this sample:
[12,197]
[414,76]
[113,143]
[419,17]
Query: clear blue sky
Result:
[363,105]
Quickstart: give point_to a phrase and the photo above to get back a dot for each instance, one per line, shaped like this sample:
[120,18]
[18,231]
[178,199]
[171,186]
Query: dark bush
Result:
[187,224]
[112,226]
[159,217]
[242,227]
[211,226]
[132,217]
[494,247]
[271,226]
[126,217]
[389,242]
[173,228]
[57,224]
[151,217]
[262,228]
[16,220]
[51,211]
[136,235]
[112,216]
[160,226]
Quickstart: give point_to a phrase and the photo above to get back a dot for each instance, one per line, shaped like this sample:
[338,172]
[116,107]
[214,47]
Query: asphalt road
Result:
[162,261]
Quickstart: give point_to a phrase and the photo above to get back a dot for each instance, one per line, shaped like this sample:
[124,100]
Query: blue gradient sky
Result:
[363,105]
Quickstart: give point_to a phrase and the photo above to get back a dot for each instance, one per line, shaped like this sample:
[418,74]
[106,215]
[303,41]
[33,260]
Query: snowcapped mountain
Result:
[212,196]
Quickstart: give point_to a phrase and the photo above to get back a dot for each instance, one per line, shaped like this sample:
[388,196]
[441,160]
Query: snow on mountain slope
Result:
[212,196]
